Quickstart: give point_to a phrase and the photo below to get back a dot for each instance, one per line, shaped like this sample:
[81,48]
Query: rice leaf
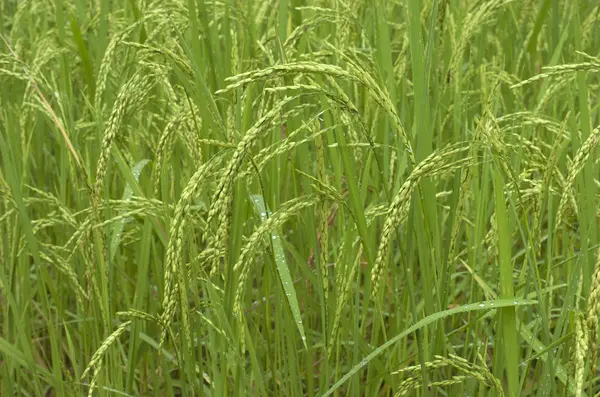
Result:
[282,267]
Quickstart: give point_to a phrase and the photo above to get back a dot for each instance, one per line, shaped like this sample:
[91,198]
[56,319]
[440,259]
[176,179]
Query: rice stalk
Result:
[576,167]
[435,164]
[175,246]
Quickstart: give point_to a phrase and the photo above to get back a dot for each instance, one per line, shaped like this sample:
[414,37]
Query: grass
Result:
[316,198]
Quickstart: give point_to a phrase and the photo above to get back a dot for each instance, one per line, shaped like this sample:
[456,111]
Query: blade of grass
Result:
[282,268]
[485,305]
[508,317]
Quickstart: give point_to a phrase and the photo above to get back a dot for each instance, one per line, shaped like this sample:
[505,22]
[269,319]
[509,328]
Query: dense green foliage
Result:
[299,198]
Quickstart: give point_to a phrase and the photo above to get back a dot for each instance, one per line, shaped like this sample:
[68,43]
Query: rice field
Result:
[299,198]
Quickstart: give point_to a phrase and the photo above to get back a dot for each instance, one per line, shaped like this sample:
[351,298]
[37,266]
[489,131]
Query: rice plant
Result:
[299,198]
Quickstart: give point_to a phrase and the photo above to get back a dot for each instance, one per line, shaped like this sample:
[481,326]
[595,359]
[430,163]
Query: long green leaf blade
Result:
[282,267]
[485,305]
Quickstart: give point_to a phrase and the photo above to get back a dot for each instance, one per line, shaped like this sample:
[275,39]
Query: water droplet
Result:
[481,305]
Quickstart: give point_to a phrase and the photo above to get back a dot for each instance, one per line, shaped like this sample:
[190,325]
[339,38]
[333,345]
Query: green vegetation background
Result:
[299,198]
